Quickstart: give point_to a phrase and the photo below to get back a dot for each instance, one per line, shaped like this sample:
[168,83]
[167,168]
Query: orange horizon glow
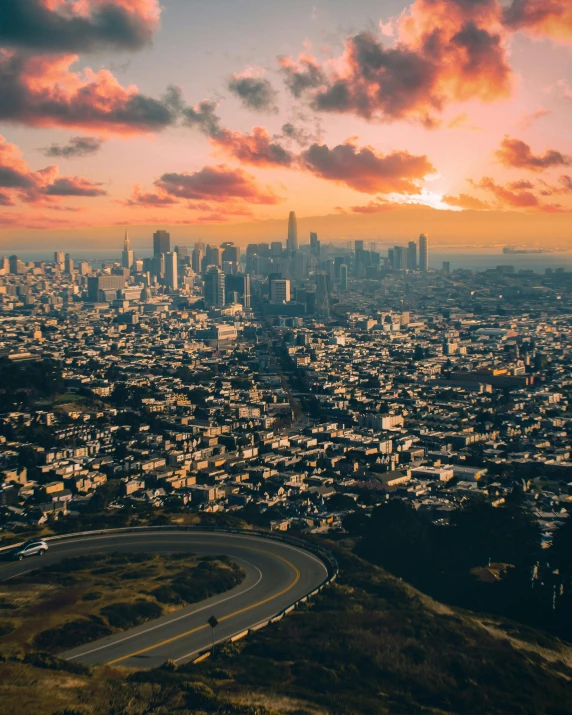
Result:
[454,112]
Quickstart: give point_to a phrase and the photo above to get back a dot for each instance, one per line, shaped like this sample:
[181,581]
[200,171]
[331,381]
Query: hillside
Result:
[369,644]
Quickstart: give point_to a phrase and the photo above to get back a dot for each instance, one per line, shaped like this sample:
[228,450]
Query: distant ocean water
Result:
[537,262]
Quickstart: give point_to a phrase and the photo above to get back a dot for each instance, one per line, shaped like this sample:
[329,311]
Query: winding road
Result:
[278,575]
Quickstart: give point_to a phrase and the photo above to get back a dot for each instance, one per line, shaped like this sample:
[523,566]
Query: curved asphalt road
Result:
[277,575]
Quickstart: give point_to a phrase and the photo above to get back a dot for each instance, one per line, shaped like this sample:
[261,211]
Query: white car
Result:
[36,547]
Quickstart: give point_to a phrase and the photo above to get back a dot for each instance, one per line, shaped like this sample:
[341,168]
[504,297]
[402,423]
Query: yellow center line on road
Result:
[224,618]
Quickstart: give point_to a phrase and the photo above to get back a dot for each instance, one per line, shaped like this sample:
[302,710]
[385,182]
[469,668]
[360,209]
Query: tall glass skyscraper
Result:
[423,252]
[161,242]
[127,253]
[292,242]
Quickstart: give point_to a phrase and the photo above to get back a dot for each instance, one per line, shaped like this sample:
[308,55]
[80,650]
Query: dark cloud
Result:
[255,93]
[5,199]
[256,149]
[76,147]
[11,178]
[514,153]
[18,181]
[216,183]
[149,199]
[61,26]
[566,182]
[203,117]
[302,75]
[544,18]
[447,51]
[364,170]
[74,186]
[299,134]
[42,91]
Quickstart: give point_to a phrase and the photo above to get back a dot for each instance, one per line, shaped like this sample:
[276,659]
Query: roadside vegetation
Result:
[81,599]
[368,644]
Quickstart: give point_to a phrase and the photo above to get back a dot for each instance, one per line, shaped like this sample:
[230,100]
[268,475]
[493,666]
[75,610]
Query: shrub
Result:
[71,634]
[6,627]
[199,696]
[51,662]
[126,615]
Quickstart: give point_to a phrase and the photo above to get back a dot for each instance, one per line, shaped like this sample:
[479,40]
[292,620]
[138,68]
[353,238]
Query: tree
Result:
[561,551]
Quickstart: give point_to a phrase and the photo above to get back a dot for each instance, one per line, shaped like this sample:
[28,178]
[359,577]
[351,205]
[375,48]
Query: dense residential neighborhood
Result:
[425,386]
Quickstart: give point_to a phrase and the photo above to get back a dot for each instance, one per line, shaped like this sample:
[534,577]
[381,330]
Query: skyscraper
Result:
[359,265]
[212,257]
[239,284]
[171,271]
[423,252]
[343,277]
[69,267]
[230,257]
[215,294]
[292,242]
[280,290]
[322,295]
[127,253]
[411,256]
[161,242]
[398,258]
[314,245]
[196,259]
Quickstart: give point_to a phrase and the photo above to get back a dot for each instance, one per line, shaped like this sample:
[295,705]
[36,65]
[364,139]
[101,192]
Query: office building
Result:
[239,284]
[446,266]
[230,252]
[161,242]
[212,258]
[359,265]
[183,251]
[127,253]
[276,249]
[292,242]
[314,245]
[411,256]
[215,290]
[343,277]
[423,252]
[171,271]
[69,267]
[197,259]
[157,267]
[230,258]
[104,288]
[59,259]
[398,258]
[322,295]
[16,265]
[280,290]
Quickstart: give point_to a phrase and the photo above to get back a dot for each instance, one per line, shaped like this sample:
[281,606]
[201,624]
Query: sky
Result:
[216,118]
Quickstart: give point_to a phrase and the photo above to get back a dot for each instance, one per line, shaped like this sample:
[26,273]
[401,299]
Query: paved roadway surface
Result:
[277,575]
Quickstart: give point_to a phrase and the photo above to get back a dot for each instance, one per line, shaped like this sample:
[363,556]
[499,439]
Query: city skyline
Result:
[475,150]
[285,357]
